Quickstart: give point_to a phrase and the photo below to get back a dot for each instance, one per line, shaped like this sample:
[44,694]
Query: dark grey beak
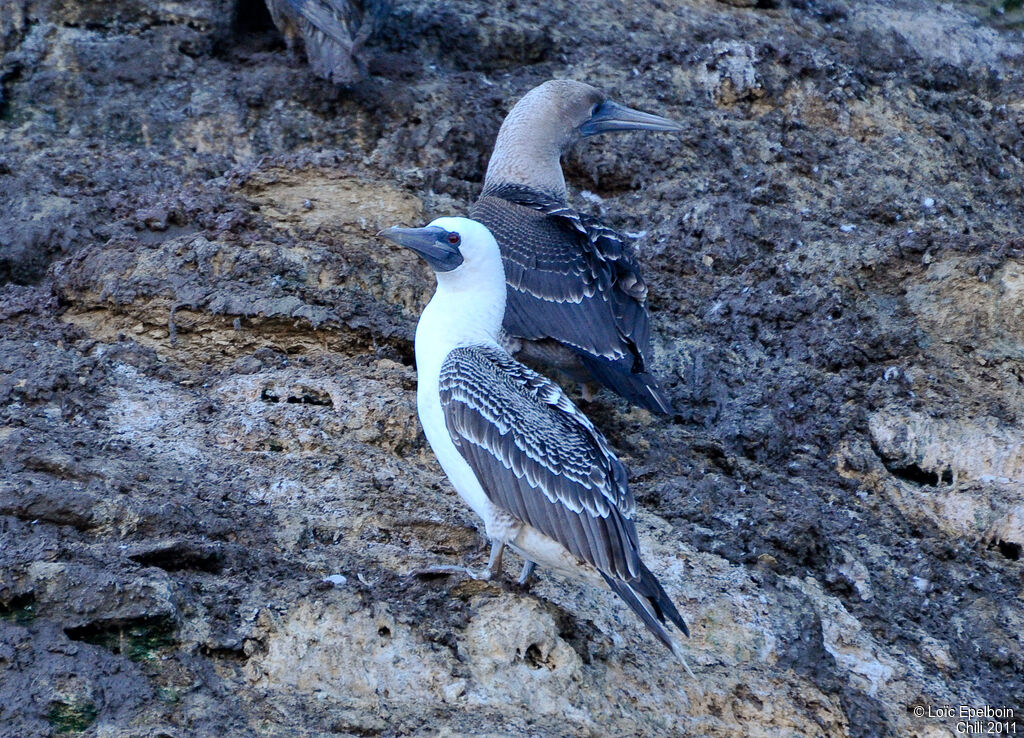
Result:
[611,116]
[431,242]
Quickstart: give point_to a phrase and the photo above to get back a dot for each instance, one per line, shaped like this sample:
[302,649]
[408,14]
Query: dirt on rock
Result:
[213,480]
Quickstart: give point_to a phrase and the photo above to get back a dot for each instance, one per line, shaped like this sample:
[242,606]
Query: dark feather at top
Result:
[539,458]
[332,32]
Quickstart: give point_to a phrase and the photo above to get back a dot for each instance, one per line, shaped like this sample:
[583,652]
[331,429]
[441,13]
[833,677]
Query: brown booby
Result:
[517,450]
[576,298]
[332,32]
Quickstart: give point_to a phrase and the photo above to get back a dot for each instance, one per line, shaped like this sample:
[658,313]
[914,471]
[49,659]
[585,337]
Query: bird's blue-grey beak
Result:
[611,116]
[433,243]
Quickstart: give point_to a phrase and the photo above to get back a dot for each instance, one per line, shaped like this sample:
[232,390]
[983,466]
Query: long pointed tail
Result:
[641,389]
[649,600]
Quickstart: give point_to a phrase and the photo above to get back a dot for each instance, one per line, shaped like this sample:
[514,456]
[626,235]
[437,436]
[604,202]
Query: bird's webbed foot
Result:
[492,573]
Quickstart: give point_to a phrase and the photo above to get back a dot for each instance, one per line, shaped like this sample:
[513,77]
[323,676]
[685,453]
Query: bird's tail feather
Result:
[640,388]
[649,600]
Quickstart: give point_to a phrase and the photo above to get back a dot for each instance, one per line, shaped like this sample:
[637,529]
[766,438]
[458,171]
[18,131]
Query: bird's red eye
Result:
[453,239]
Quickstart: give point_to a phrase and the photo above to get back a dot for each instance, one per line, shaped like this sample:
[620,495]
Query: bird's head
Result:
[580,110]
[548,120]
[469,303]
[457,249]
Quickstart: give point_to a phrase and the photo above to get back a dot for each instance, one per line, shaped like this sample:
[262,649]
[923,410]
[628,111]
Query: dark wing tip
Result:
[640,388]
[652,607]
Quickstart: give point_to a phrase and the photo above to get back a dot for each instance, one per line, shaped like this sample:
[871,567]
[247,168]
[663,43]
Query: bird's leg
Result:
[526,573]
[491,573]
[493,570]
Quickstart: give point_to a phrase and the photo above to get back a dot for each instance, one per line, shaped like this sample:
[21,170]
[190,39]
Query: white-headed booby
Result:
[576,296]
[516,449]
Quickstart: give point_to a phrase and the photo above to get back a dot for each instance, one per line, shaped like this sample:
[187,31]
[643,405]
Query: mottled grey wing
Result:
[570,278]
[540,459]
[333,33]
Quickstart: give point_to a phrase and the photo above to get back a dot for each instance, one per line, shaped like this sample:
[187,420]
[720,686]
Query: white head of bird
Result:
[468,306]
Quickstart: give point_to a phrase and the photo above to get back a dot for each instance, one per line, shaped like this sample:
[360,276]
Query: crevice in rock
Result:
[7,78]
[535,659]
[182,556]
[580,635]
[224,653]
[716,455]
[140,639]
[1009,549]
[347,727]
[913,472]
[251,16]
[306,397]
[19,610]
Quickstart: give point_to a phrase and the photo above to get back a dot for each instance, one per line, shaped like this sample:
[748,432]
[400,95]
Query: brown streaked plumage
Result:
[573,282]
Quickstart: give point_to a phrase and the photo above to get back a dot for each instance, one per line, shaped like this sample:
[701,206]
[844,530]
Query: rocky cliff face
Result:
[213,479]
